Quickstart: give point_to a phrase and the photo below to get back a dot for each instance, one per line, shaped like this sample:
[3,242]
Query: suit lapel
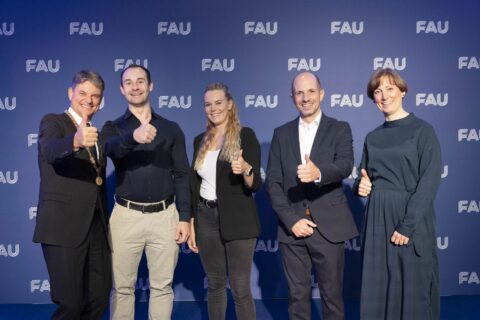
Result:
[319,136]
[294,140]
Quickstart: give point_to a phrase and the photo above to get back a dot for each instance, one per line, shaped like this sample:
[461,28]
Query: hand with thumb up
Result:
[239,165]
[86,136]
[308,172]
[365,185]
[145,133]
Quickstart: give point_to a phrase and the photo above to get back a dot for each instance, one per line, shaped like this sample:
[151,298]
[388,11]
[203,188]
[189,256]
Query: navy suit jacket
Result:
[68,194]
[332,153]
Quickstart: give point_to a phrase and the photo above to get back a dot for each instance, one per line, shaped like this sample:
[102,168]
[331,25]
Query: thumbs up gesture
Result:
[145,133]
[86,136]
[239,165]
[308,172]
[365,185]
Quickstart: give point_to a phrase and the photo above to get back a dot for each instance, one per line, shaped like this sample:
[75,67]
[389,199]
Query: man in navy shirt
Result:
[151,167]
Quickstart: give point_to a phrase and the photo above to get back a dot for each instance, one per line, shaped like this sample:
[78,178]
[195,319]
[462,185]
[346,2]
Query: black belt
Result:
[145,208]
[208,203]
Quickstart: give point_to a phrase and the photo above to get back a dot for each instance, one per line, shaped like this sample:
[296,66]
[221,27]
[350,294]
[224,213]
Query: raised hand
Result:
[365,185]
[308,172]
[145,133]
[239,166]
[86,136]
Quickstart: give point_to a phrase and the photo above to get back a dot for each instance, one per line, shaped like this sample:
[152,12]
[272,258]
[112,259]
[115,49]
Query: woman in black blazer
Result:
[225,172]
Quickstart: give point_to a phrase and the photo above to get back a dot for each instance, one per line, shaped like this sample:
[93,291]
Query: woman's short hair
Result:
[391,74]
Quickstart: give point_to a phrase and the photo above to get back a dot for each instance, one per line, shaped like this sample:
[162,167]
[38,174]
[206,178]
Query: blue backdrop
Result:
[256,47]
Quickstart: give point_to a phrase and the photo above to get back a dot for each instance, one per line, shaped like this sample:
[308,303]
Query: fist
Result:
[85,137]
[308,172]
[145,133]
[365,185]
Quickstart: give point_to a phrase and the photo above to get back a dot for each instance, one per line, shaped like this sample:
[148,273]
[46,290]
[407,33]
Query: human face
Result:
[307,96]
[388,98]
[135,87]
[217,107]
[85,99]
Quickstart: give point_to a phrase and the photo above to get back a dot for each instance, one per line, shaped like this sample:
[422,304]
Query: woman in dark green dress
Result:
[400,173]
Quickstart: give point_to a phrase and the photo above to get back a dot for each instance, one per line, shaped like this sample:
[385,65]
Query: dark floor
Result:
[453,308]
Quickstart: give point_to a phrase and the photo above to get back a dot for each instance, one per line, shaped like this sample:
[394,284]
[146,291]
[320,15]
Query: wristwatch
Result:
[249,172]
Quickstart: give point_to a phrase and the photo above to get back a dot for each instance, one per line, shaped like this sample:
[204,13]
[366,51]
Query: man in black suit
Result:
[72,215]
[309,158]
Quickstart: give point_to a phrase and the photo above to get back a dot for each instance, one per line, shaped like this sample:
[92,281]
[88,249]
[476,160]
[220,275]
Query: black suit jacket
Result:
[236,207]
[68,194]
[332,153]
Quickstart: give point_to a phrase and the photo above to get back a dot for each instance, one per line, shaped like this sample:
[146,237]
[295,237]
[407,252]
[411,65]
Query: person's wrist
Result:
[248,172]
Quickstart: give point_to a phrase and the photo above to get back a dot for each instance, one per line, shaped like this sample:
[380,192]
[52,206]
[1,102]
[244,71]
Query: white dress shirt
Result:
[306,136]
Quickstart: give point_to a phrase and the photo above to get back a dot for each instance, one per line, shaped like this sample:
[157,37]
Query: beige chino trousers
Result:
[130,233]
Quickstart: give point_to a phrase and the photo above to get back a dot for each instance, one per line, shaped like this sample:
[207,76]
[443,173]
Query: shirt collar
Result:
[315,122]
[129,114]
[75,116]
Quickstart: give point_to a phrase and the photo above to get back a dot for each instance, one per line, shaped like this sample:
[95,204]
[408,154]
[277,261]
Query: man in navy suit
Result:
[72,215]
[309,158]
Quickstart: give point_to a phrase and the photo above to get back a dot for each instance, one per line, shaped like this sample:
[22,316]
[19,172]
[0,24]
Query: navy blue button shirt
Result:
[149,172]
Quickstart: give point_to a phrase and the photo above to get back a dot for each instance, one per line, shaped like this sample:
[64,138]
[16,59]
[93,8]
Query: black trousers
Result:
[327,259]
[80,277]
[220,257]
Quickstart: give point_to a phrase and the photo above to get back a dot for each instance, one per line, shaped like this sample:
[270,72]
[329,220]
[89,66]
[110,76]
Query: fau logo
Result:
[259,27]
[120,64]
[432,27]
[32,213]
[342,27]
[32,139]
[301,64]
[352,244]
[345,100]
[6,30]
[468,277]
[468,206]
[85,28]
[42,65]
[8,103]
[468,62]
[184,102]
[9,177]
[468,134]
[266,246]
[392,63]
[39,285]
[169,28]
[7,250]
[430,99]
[215,64]
[268,101]
[440,245]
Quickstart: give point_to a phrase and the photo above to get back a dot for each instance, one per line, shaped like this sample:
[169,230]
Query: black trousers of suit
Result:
[80,277]
[327,259]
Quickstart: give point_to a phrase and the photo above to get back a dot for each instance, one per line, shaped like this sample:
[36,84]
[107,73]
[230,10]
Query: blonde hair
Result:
[231,141]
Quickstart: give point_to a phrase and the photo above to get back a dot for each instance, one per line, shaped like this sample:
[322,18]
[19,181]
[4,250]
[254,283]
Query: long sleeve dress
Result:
[403,160]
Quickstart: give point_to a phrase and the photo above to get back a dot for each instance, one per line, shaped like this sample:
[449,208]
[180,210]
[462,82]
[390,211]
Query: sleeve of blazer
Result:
[53,143]
[342,164]
[251,154]
[275,184]
[194,184]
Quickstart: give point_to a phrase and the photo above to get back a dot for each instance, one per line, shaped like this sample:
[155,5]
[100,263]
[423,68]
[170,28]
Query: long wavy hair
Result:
[231,141]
